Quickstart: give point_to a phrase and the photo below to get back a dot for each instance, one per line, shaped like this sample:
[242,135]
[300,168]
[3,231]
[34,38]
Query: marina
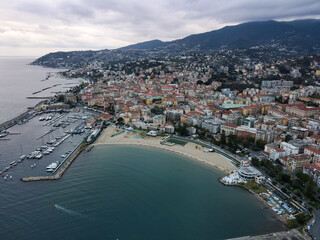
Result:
[36,153]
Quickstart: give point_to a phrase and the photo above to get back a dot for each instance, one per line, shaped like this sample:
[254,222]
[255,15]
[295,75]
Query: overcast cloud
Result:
[36,27]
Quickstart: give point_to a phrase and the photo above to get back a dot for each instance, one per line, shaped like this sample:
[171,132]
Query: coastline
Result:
[257,196]
[214,159]
[190,150]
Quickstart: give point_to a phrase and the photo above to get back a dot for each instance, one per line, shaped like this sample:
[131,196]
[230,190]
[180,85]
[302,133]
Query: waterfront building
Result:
[301,144]
[70,97]
[313,170]
[247,172]
[265,135]
[276,153]
[313,152]
[211,124]
[169,128]
[152,133]
[289,148]
[295,163]
[174,114]
[244,131]
[229,129]
[191,131]
[159,120]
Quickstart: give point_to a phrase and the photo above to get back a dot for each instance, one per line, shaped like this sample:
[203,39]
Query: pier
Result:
[60,169]
[16,120]
[44,98]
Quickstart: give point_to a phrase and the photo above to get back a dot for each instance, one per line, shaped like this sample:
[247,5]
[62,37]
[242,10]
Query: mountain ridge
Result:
[301,36]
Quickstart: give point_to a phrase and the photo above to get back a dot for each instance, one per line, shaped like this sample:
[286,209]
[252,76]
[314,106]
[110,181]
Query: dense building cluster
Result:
[230,97]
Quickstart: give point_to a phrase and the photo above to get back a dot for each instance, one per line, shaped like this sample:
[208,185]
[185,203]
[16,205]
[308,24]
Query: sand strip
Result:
[190,150]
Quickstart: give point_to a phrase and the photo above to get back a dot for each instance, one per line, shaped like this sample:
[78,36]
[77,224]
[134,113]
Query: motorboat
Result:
[3,134]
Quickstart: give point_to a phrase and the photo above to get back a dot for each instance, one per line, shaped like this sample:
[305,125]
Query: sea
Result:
[115,192]
[19,80]
[130,192]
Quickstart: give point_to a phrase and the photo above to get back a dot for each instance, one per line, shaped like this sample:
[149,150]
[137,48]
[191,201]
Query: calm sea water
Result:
[124,192]
[19,80]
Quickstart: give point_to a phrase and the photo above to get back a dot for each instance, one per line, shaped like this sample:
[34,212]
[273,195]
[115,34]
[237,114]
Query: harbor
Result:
[60,169]
[47,138]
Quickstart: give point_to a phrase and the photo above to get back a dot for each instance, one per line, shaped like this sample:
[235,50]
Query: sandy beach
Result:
[190,150]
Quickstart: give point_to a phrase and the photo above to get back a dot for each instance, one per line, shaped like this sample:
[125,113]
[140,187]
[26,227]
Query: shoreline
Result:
[190,150]
[257,196]
[223,164]
[173,151]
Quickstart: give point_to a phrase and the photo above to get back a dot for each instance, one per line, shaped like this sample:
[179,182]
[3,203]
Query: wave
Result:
[68,211]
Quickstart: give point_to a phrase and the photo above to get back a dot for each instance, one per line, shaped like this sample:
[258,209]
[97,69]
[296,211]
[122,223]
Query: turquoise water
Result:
[124,192]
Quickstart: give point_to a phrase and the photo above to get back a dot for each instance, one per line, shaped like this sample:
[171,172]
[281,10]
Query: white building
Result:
[289,148]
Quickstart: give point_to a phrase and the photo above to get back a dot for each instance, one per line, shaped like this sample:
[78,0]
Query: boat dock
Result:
[60,170]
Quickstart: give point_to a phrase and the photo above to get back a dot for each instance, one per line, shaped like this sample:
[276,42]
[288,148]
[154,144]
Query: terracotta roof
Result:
[312,149]
[229,125]
[313,166]
[279,149]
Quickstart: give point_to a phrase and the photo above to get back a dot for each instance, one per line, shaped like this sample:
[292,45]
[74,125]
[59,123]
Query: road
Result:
[315,228]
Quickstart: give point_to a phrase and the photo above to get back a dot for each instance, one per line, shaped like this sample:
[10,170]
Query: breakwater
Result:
[61,170]
[47,98]
[14,121]
[10,123]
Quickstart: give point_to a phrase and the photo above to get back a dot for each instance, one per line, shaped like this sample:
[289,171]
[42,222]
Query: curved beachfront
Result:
[190,150]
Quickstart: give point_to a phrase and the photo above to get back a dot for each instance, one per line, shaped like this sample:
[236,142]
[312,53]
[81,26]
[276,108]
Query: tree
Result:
[182,130]
[232,141]
[199,82]
[288,138]
[120,120]
[301,218]
[157,110]
[292,223]
[285,177]
[260,144]
[303,177]
[245,143]
[255,162]
[309,190]
[111,110]
[223,137]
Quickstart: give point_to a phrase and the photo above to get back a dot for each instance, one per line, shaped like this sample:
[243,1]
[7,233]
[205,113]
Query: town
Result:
[260,112]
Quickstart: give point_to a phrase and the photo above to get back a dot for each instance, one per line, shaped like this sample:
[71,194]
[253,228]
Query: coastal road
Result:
[315,228]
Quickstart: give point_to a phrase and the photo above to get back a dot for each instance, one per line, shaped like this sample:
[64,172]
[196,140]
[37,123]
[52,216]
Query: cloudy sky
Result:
[36,27]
